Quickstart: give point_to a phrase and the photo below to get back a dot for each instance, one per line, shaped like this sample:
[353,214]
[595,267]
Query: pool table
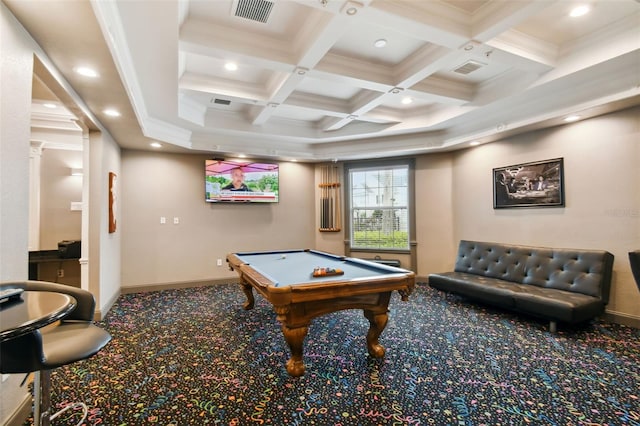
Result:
[285,278]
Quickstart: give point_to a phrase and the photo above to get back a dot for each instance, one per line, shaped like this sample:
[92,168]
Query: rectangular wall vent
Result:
[468,67]
[256,10]
[222,101]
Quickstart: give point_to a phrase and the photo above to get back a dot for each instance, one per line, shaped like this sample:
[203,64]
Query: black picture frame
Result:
[536,184]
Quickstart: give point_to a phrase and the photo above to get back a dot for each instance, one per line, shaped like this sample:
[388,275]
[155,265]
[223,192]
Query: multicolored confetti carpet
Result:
[195,357]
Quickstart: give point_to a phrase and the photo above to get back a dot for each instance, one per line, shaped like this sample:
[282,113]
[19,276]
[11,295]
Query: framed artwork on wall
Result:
[537,184]
[113,196]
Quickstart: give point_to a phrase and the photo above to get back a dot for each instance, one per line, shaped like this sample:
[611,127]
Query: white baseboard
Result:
[175,285]
[21,413]
[623,319]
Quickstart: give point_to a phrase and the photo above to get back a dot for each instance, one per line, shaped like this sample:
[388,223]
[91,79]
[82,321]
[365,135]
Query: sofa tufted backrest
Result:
[580,271]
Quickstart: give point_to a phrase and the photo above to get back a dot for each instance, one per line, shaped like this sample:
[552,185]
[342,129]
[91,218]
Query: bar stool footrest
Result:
[73,406]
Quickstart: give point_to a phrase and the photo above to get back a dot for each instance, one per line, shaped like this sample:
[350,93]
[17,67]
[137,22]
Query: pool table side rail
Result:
[353,287]
[403,282]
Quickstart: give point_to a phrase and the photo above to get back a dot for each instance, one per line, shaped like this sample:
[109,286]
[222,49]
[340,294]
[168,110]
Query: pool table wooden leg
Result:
[295,339]
[377,321]
[248,291]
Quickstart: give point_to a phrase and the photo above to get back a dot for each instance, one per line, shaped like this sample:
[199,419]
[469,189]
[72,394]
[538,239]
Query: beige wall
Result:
[453,201]
[155,185]
[18,53]
[57,190]
[434,219]
[602,191]
[15,116]
[102,256]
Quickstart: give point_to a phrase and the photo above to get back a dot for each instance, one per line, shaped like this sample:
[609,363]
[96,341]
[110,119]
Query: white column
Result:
[35,157]
[84,255]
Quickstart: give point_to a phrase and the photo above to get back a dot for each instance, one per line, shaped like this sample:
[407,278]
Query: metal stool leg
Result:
[41,397]
[42,401]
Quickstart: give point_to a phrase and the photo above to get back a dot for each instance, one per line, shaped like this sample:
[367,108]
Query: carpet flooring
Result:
[195,357]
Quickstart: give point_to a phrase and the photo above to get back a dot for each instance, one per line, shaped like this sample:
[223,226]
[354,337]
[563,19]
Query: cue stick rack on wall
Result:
[329,199]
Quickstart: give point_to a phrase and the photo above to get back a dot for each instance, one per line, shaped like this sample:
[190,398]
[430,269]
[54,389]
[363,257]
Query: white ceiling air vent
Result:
[256,10]
[221,101]
[469,67]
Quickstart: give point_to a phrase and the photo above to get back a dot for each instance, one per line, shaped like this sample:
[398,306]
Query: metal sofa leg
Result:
[553,326]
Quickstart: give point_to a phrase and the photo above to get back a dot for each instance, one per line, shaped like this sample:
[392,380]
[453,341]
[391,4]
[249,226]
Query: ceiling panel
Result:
[310,75]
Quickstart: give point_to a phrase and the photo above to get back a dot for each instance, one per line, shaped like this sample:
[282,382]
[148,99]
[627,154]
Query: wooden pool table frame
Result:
[296,305]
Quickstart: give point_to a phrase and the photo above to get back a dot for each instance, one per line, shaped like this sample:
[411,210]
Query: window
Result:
[378,203]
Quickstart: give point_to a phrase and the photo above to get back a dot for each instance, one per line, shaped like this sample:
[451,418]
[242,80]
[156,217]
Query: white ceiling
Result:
[311,85]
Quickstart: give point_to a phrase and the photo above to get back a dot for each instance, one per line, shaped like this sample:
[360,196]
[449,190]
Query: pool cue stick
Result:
[333,198]
[337,192]
[323,195]
[329,197]
[325,198]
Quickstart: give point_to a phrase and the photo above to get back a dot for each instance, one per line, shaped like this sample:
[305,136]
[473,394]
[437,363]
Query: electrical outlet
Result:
[163,220]
[176,220]
[60,273]
[219,262]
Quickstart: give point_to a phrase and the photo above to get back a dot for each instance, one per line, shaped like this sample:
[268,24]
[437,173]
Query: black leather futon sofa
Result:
[560,285]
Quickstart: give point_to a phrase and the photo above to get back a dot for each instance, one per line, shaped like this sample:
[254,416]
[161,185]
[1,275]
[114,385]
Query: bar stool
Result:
[74,338]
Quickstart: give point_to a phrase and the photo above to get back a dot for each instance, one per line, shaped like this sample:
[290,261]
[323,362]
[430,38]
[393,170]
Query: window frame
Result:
[409,163]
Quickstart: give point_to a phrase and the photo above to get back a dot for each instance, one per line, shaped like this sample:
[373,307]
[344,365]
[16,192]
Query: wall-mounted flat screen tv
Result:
[241,181]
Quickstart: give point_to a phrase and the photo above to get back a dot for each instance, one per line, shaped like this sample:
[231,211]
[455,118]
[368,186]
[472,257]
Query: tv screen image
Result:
[241,181]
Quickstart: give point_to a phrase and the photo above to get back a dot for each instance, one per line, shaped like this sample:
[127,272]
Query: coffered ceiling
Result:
[311,84]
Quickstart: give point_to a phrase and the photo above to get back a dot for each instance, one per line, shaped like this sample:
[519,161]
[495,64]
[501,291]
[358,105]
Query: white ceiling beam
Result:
[498,16]
[251,93]
[312,46]
[431,21]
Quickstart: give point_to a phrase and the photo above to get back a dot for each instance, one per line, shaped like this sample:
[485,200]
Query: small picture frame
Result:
[537,184]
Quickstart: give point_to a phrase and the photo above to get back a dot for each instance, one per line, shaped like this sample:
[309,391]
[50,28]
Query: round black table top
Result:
[33,310]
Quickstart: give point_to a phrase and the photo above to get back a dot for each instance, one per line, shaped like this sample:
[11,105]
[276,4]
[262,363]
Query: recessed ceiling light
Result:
[579,11]
[242,156]
[111,112]
[380,43]
[155,145]
[48,105]
[231,66]
[407,100]
[86,71]
[474,143]
[352,11]
[572,118]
